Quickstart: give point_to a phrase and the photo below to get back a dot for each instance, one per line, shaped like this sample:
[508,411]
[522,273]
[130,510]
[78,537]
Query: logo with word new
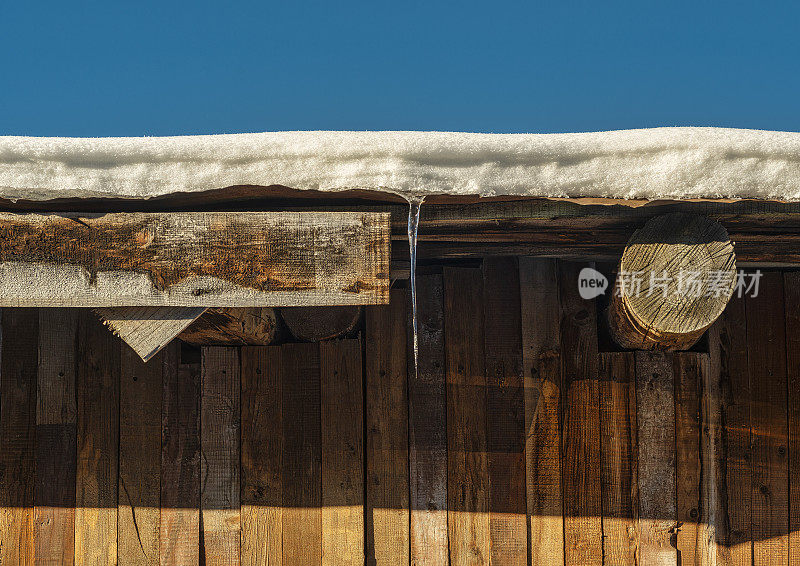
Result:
[591,283]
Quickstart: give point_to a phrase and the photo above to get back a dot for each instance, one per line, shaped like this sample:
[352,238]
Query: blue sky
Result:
[168,68]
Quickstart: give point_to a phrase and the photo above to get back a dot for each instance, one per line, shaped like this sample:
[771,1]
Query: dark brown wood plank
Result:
[56,450]
[655,422]
[619,466]
[581,422]
[427,427]
[18,368]
[342,453]
[138,510]
[219,444]
[588,230]
[202,259]
[180,460]
[262,450]
[505,436]
[766,355]
[541,337]
[301,465]
[691,511]
[387,504]
[97,473]
[726,446]
[467,462]
[792,310]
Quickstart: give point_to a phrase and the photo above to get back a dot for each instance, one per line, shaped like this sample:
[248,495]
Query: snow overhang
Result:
[649,164]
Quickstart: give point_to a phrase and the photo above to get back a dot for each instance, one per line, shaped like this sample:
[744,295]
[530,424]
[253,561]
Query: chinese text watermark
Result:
[688,283]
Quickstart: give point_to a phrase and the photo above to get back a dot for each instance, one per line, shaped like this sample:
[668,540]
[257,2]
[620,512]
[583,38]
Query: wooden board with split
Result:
[198,259]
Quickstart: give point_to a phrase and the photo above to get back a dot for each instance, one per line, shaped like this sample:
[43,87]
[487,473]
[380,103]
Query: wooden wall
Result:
[517,441]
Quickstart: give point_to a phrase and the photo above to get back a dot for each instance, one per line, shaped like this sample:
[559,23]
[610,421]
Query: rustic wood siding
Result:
[519,441]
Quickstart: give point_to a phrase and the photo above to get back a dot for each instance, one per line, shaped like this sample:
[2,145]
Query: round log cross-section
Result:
[676,275]
[313,324]
[224,326]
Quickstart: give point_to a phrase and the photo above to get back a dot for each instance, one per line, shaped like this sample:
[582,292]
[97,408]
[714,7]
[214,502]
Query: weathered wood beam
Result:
[674,279]
[248,326]
[209,259]
[763,232]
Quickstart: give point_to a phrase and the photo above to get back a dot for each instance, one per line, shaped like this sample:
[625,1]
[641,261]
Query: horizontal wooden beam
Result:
[763,232]
[199,259]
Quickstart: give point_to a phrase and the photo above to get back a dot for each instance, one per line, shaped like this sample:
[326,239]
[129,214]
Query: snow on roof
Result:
[656,163]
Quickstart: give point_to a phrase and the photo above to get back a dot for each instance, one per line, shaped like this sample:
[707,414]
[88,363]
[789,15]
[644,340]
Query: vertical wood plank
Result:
[219,441]
[56,451]
[301,465]
[691,512]
[427,424]
[342,453]
[138,512]
[262,449]
[18,365]
[508,536]
[180,461]
[387,512]
[792,300]
[467,466]
[726,446]
[655,420]
[541,338]
[766,355]
[97,473]
[581,423]
[618,475]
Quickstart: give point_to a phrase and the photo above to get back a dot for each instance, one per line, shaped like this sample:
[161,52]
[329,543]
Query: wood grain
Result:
[55,438]
[541,337]
[581,423]
[148,329]
[387,491]
[619,451]
[427,427]
[467,463]
[676,275]
[138,511]
[312,324]
[587,230]
[18,365]
[691,512]
[727,447]
[301,471]
[219,457]
[180,461]
[200,259]
[342,453]
[655,421]
[792,311]
[262,452]
[505,429]
[248,326]
[97,473]
[766,355]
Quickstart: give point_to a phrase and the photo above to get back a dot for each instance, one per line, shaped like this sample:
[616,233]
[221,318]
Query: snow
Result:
[660,163]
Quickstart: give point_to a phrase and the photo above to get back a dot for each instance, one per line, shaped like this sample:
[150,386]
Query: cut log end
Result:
[675,278]
[248,326]
[313,324]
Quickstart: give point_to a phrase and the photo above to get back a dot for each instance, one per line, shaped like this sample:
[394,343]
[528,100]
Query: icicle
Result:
[414,208]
